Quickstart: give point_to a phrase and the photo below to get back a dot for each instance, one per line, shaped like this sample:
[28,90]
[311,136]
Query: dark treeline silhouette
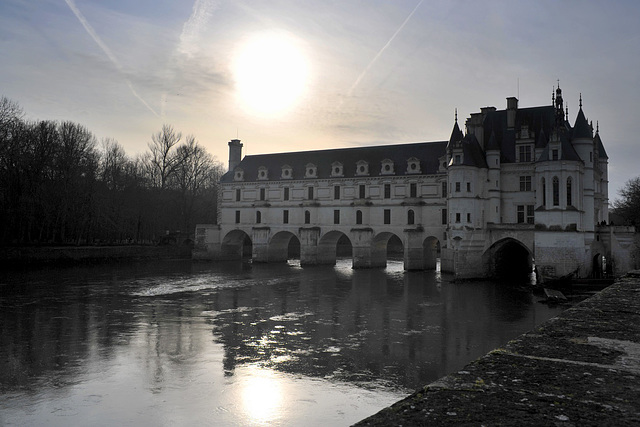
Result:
[59,185]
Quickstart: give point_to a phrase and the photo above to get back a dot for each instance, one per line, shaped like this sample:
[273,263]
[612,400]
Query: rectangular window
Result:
[286,193]
[310,193]
[458,217]
[336,216]
[457,187]
[237,194]
[554,154]
[525,183]
[457,159]
[524,152]
[468,187]
[387,216]
[520,218]
[387,191]
[262,193]
[285,216]
[336,192]
[444,216]
[468,217]
[444,188]
[413,190]
[237,217]
[362,191]
[525,214]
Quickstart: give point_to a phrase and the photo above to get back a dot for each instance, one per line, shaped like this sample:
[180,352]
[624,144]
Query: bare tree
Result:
[163,162]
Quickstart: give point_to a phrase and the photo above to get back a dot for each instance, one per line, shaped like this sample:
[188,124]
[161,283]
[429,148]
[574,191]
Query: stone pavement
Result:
[581,368]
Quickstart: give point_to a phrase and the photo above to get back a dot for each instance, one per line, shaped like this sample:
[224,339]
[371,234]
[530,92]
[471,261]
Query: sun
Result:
[271,73]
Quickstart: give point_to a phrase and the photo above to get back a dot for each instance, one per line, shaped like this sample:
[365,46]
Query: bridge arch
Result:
[283,245]
[508,259]
[236,244]
[332,245]
[384,245]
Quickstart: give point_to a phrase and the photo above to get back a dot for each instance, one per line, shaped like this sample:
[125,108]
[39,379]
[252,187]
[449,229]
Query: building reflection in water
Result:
[240,339]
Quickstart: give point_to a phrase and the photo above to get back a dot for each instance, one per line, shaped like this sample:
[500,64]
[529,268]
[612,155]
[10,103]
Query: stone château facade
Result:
[520,186]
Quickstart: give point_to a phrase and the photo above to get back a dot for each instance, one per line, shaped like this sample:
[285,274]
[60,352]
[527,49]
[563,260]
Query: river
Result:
[180,344]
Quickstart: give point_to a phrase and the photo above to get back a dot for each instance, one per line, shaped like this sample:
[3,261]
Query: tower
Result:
[235,153]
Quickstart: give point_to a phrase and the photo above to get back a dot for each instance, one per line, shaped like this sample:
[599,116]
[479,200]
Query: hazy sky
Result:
[287,75]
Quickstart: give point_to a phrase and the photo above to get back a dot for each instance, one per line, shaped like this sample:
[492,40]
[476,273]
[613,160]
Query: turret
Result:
[235,153]
[583,143]
[512,108]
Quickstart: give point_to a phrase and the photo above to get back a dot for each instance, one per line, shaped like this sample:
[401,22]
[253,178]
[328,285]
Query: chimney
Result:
[235,153]
[512,107]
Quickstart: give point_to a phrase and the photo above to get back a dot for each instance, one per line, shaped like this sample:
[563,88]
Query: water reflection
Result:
[238,343]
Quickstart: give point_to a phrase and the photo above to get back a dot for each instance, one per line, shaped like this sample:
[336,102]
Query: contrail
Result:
[200,15]
[375,58]
[106,50]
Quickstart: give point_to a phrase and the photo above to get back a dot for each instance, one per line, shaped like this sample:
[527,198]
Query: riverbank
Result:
[36,256]
[580,368]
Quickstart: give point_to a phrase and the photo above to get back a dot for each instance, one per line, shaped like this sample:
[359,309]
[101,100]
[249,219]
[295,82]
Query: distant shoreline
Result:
[44,256]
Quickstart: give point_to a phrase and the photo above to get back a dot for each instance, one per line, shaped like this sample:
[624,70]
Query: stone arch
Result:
[236,245]
[509,259]
[431,253]
[382,246]
[283,245]
[333,244]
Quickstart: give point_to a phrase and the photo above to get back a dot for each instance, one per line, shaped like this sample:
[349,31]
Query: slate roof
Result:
[426,152]
[600,147]
[582,129]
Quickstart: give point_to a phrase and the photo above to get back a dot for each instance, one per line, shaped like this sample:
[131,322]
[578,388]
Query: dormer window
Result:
[238,174]
[337,169]
[362,168]
[525,153]
[263,173]
[287,172]
[387,167]
[311,171]
[413,165]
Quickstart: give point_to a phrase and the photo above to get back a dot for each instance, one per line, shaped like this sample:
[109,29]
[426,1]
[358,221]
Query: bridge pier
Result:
[414,252]
[260,240]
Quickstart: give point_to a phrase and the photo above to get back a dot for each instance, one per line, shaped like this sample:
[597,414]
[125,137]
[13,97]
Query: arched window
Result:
[544,192]
[569,191]
[411,217]
[358,217]
[307,217]
[556,191]
[258,217]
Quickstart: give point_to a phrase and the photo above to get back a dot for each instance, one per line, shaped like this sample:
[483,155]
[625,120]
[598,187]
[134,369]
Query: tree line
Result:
[60,185]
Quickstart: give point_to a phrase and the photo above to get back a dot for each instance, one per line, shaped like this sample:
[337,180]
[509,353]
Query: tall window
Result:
[237,194]
[387,216]
[336,192]
[286,193]
[444,188]
[457,187]
[556,191]
[569,192]
[262,194]
[336,216]
[387,191]
[237,217]
[258,217]
[468,217]
[362,191]
[310,193]
[358,217]
[468,187]
[544,192]
[307,217]
[411,217]
[555,154]
[525,183]
[458,217]
[285,216]
[413,190]
[524,153]
[444,216]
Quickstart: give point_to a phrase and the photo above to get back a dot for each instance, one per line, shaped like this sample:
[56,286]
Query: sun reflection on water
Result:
[262,396]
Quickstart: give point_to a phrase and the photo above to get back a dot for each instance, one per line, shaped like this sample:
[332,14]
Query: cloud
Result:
[106,50]
[197,22]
